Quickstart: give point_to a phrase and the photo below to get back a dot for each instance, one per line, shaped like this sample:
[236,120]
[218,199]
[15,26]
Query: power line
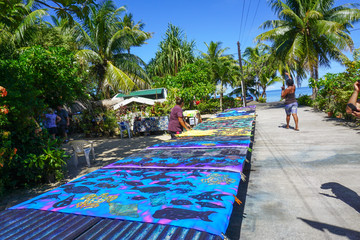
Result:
[253,21]
[247,15]
[242,15]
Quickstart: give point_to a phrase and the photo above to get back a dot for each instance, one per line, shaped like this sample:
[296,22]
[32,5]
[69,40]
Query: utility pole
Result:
[242,77]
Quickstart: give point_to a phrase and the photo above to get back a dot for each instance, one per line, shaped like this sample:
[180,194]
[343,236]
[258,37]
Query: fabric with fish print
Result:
[189,182]
[179,198]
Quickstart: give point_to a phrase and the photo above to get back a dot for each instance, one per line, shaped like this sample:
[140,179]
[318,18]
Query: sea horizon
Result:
[275,95]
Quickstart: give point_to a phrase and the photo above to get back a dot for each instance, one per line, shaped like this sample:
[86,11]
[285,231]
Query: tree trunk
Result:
[316,77]
[314,73]
[264,92]
[221,96]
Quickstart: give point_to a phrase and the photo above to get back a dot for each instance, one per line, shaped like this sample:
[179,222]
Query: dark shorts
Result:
[52,130]
[173,134]
[61,130]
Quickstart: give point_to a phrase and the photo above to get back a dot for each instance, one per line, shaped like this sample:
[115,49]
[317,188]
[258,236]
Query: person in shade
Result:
[176,122]
[64,122]
[51,120]
[354,101]
[291,104]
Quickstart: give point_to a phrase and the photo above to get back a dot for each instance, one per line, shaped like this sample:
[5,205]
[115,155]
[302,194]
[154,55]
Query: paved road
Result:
[302,185]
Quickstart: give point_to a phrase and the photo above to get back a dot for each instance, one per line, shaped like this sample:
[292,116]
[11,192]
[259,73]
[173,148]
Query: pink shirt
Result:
[174,124]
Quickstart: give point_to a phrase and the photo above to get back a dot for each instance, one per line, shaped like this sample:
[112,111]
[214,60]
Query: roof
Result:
[141,93]
[140,100]
[39,224]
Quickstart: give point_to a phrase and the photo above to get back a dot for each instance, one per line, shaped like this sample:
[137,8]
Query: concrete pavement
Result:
[302,185]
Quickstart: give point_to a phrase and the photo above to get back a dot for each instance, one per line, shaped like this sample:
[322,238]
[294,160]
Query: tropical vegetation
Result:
[84,52]
[310,33]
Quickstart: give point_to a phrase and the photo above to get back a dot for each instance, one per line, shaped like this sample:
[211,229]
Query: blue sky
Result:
[227,21]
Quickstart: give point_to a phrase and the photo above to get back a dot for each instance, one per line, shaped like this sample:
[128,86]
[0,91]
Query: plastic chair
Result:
[78,148]
[124,126]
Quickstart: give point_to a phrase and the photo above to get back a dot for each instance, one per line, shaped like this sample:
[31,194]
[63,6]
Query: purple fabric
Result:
[174,124]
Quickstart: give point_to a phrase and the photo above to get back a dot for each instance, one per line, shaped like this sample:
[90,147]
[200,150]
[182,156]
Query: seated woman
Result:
[176,122]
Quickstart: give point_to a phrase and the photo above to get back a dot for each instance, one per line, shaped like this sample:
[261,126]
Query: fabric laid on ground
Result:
[202,144]
[200,200]
[225,124]
[231,118]
[187,183]
[230,159]
[221,132]
[231,123]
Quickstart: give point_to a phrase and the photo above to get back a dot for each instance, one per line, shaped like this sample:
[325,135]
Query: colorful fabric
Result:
[216,132]
[229,159]
[197,133]
[235,118]
[200,200]
[223,124]
[152,124]
[188,152]
[190,113]
[202,144]
[188,183]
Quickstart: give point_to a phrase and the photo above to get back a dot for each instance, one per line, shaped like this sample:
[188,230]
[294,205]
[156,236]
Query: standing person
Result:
[51,120]
[64,122]
[291,104]
[354,101]
[176,122]
[198,118]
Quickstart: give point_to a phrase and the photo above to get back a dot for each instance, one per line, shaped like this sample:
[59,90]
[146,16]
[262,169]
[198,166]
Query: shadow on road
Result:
[343,193]
[350,234]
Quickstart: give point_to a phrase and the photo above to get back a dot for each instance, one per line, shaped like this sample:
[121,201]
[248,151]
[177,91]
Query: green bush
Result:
[47,166]
[305,100]
[262,100]
[35,79]
[209,106]
[334,92]
[98,122]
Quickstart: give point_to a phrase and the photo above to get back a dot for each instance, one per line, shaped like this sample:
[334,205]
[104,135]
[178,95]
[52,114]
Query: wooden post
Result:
[242,77]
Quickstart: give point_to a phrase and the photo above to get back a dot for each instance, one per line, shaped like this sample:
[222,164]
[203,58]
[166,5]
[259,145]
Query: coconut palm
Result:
[174,53]
[223,68]
[16,18]
[214,57]
[104,41]
[137,38]
[229,74]
[262,65]
[310,33]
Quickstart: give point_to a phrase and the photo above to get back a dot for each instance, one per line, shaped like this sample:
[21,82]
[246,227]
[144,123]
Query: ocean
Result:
[275,95]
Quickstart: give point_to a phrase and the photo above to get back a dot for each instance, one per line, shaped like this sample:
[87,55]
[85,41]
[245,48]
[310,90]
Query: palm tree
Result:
[223,68]
[105,41]
[310,33]
[214,56]
[16,18]
[174,53]
[137,38]
[263,66]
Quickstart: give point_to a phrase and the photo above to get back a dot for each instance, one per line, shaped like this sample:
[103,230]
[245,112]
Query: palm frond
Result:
[28,21]
[86,56]
[117,79]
